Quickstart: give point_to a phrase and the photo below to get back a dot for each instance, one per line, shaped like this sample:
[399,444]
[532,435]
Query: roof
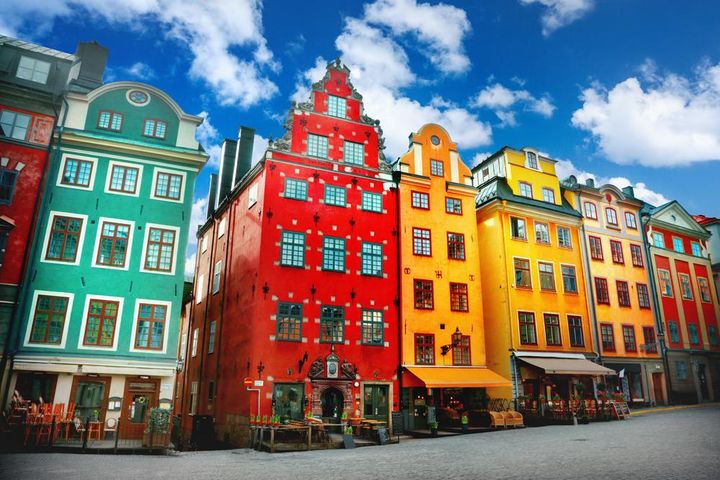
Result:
[705,221]
[35,48]
[458,377]
[497,188]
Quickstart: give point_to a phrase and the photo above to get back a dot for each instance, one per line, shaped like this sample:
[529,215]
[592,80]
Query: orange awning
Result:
[458,377]
[568,366]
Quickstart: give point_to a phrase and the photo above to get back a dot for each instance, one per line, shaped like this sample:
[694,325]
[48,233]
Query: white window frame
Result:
[217,273]
[33,70]
[557,234]
[199,287]
[65,157]
[221,227]
[156,172]
[204,244]
[147,228]
[83,325]
[252,195]
[108,179]
[31,316]
[48,229]
[537,160]
[522,184]
[212,335]
[96,248]
[166,333]
[194,344]
[551,195]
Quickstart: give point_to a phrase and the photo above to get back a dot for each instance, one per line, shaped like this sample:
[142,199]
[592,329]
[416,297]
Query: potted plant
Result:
[433,429]
[157,433]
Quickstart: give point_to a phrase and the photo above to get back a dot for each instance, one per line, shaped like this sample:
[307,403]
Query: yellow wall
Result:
[415,176]
[545,177]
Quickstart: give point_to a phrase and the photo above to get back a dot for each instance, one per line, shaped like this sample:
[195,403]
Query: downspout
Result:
[24,269]
[398,256]
[656,305]
[589,287]
[513,361]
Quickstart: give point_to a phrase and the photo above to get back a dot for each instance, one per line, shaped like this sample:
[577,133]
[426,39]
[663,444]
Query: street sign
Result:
[248,382]
[259,383]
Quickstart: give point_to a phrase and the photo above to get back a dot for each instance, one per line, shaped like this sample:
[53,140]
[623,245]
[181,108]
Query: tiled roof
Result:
[498,188]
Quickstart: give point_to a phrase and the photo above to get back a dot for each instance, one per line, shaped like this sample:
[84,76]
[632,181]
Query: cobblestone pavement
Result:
[680,444]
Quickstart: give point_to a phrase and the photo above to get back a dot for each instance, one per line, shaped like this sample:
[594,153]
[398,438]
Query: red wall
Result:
[669,306]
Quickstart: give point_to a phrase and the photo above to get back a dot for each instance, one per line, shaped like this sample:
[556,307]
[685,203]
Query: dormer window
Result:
[526,190]
[337,106]
[548,195]
[531,160]
[436,168]
[108,120]
[155,128]
[33,70]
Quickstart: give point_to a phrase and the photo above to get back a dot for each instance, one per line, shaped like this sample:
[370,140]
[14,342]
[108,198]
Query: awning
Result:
[568,366]
[458,377]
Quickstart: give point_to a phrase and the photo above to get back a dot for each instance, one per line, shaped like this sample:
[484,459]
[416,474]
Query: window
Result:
[522,273]
[547,276]
[643,295]
[704,289]
[658,239]
[630,220]
[461,351]
[33,69]
[65,235]
[337,106]
[564,239]
[317,146]
[517,228]
[681,368]
[211,337]
[76,172]
[569,279]
[49,319]
[372,327]
[712,333]
[123,179]
[596,252]
[200,289]
[542,233]
[168,185]
[456,246]
[527,328]
[334,254]
[8,178]
[436,168]
[420,200]
[623,293]
[4,234]
[424,349]
[150,326]
[155,128]
[601,289]
[590,210]
[531,160]
[617,251]
[100,324]
[693,333]
[548,195]
[193,351]
[108,120]
[372,259]
[459,297]
[221,228]
[193,398]
[288,322]
[217,271]
[629,338]
[421,242]
[423,294]
[696,250]
[608,337]
[334,195]
[211,390]
[292,249]
[649,337]
[14,125]
[636,254]
[674,331]
[552,329]
[160,250]
[332,324]
[678,245]
[526,190]
[453,206]
[611,216]
[685,287]
[353,153]
[576,331]
[296,189]
[665,283]
[372,202]
[113,244]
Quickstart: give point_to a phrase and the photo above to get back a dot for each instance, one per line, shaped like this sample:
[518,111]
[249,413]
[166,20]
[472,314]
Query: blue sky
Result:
[626,91]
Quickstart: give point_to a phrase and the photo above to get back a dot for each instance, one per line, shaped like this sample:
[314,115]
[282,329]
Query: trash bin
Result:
[203,432]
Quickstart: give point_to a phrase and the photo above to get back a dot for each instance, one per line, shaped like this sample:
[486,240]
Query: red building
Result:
[296,276]
[686,301]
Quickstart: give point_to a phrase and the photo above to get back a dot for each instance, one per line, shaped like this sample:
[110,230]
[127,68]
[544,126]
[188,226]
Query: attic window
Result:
[33,70]
[531,160]
[337,106]
[435,140]
[138,97]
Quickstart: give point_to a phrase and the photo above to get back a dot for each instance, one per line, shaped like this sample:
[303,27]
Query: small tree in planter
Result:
[433,429]
[157,433]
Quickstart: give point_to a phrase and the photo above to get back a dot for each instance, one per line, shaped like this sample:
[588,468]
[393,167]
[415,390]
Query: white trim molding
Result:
[48,229]
[138,183]
[83,324]
[158,170]
[143,259]
[31,316]
[101,221]
[93,172]
[166,329]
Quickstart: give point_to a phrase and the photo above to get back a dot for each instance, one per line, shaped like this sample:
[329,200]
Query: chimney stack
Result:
[212,194]
[629,191]
[227,161]
[590,183]
[86,74]
[243,154]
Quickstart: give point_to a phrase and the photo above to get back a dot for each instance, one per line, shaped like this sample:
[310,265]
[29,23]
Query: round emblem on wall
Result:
[435,140]
[138,97]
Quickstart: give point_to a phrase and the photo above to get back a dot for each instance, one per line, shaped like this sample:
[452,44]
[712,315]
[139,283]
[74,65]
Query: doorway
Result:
[702,379]
[657,381]
[90,395]
[375,401]
[331,401]
[141,395]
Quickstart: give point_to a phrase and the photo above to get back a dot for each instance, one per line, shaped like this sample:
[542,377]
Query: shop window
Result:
[681,369]
[288,400]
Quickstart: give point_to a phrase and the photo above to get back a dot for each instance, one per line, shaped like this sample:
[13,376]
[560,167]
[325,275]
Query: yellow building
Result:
[621,300]
[443,341]
[534,293]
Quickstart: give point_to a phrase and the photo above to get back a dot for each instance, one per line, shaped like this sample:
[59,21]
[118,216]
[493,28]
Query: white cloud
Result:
[669,121]
[441,28]
[141,71]
[198,216]
[559,13]
[212,33]
[502,99]
[479,157]
[565,168]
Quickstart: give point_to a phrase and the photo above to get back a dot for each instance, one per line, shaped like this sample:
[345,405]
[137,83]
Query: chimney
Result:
[89,67]
[590,183]
[212,194]
[227,160]
[629,191]
[243,154]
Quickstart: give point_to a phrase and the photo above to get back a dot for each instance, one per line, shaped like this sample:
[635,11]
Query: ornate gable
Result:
[673,215]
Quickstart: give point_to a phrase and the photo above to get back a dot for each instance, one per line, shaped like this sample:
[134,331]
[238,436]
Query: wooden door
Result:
[376,402]
[658,389]
[141,395]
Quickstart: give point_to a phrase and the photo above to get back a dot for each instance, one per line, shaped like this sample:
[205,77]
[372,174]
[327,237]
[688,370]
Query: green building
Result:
[100,314]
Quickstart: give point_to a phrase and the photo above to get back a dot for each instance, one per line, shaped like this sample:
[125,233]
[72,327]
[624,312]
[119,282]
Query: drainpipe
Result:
[644,219]
[513,362]
[398,256]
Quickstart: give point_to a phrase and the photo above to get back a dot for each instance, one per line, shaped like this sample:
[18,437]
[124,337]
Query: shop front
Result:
[641,383]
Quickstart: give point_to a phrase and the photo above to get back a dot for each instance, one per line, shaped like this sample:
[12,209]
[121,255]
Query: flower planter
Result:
[156,439]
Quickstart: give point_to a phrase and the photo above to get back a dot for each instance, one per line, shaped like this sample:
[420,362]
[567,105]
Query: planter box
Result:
[156,439]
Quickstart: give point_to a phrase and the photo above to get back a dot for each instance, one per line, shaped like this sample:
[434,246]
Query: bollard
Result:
[575,422]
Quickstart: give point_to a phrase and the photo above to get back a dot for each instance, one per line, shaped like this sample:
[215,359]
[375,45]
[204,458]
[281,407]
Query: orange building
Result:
[533,283]
[621,301]
[442,328]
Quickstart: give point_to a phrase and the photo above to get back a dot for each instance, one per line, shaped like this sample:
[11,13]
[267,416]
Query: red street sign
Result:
[248,382]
